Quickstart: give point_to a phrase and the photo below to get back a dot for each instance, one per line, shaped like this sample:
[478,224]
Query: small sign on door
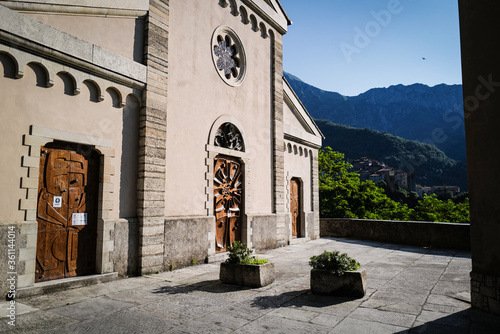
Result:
[57,202]
[79,219]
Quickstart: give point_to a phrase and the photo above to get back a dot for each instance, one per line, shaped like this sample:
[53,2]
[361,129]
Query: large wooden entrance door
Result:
[228,201]
[295,207]
[67,212]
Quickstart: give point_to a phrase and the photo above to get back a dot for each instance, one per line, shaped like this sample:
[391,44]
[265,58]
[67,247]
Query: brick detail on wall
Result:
[278,135]
[315,193]
[153,133]
[485,292]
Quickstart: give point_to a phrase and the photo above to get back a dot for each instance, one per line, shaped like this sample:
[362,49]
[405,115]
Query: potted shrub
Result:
[337,275]
[244,269]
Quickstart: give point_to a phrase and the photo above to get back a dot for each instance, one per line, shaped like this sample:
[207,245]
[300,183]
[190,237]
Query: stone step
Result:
[65,284]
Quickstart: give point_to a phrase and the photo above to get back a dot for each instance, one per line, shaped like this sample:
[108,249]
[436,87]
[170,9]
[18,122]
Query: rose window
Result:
[228,56]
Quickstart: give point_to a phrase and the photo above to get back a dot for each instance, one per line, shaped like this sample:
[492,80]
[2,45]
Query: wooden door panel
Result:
[72,254]
[60,252]
[56,172]
[295,207]
[228,197]
[46,238]
[48,213]
[50,262]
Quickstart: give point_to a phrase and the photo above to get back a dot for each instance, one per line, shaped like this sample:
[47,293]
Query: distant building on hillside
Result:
[438,190]
[377,171]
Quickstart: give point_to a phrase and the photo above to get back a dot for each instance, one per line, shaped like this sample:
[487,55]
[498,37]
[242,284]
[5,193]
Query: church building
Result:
[146,135]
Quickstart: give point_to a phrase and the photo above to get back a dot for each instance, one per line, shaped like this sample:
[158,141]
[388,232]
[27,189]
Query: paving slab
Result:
[386,317]
[278,325]
[356,326]
[126,321]
[36,322]
[410,290]
[433,328]
[91,308]
[459,319]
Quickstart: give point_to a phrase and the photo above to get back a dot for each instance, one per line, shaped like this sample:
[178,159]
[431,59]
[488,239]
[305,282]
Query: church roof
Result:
[308,130]
[284,13]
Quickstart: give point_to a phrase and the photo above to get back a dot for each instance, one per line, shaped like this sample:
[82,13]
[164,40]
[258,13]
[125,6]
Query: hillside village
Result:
[377,171]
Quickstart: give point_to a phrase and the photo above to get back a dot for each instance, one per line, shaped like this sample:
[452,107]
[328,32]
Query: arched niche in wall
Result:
[95,93]
[69,83]
[9,65]
[42,75]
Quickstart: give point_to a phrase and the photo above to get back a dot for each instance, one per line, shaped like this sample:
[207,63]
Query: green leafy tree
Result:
[430,208]
[343,195]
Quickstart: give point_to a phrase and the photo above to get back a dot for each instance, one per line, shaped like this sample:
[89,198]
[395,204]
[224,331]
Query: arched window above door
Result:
[229,136]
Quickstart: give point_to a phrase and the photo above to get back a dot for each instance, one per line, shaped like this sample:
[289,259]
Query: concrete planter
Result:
[247,274]
[351,284]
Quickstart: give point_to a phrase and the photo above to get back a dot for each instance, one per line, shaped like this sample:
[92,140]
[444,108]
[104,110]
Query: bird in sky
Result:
[423,58]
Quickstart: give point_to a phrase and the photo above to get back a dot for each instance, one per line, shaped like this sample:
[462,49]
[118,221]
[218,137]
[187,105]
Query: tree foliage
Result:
[343,195]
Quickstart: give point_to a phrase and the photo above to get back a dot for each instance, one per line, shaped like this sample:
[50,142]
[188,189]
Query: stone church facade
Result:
[140,136]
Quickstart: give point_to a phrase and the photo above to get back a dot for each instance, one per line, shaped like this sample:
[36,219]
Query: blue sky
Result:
[350,46]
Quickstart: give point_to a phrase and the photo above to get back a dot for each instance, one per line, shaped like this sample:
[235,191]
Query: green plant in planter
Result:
[334,261]
[239,253]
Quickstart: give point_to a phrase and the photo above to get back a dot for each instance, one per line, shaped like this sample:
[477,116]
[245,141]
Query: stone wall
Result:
[485,292]
[312,225]
[124,256]
[186,241]
[152,132]
[420,234]
[315,195]
[263,231]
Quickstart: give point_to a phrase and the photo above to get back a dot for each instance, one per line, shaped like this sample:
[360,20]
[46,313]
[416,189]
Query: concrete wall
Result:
[480,32]
[421,234]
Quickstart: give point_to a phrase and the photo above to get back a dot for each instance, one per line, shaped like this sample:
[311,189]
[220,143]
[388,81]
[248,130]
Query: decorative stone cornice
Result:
[28,7]
[107,4]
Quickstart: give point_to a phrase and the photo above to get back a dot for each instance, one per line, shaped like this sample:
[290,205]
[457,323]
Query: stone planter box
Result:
[351,284]
[247,274]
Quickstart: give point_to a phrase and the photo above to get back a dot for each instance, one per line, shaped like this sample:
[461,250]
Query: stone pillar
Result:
[152,141]
[315,192]
[279,197]
[480,33]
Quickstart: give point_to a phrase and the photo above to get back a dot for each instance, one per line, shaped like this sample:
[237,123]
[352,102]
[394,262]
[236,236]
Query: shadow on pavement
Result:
[211,286]
[299,299]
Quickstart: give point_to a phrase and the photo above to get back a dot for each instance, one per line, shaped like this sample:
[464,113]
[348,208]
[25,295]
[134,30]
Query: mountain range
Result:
[432,115]
[414,128]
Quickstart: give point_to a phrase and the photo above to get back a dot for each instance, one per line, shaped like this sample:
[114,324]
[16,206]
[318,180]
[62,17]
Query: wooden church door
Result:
[67,213]
[295,207]
[228,201]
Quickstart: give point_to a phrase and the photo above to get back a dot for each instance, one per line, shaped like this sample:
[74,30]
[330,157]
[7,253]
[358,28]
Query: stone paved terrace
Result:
[410,290]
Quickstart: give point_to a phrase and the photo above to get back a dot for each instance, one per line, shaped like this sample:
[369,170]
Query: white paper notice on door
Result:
[79,219]
[57,203]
